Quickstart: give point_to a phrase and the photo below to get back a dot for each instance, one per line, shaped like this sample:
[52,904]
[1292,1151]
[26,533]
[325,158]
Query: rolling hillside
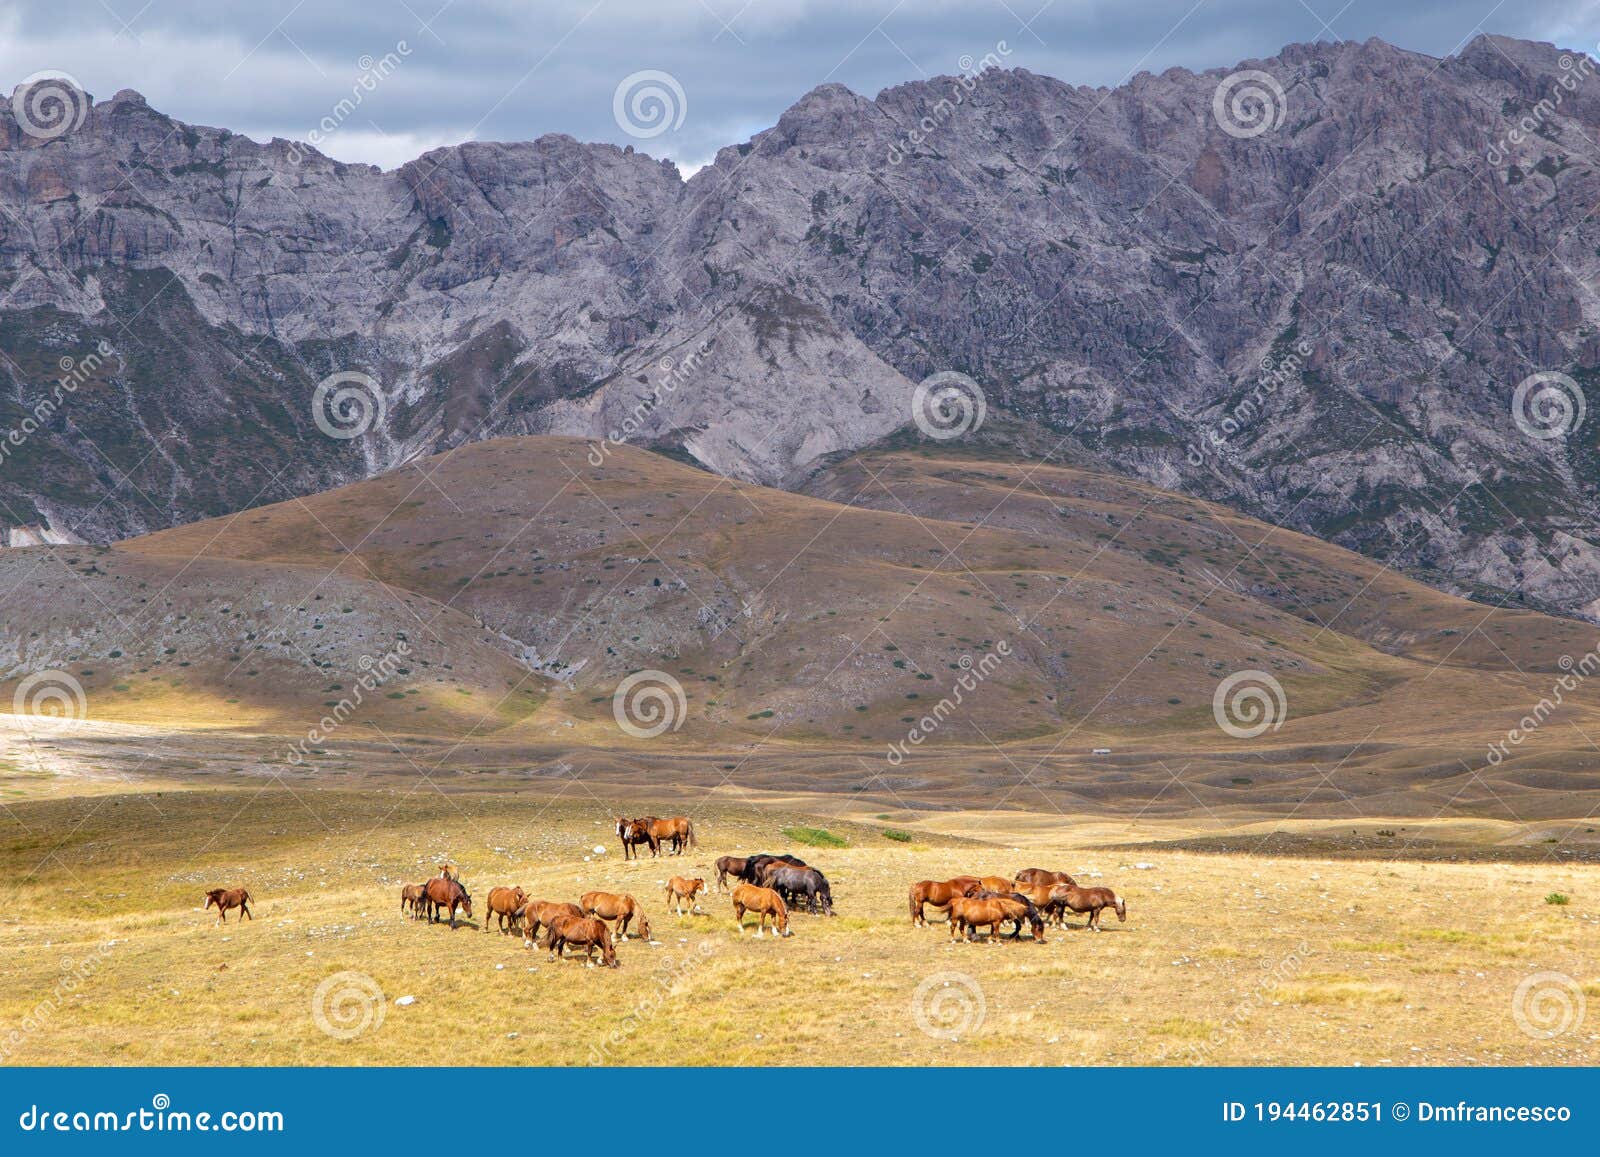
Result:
[843,616]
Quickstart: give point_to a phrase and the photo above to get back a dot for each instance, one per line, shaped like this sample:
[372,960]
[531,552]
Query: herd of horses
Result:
[1034,895]
[599,920]
[764,885]
[581,925]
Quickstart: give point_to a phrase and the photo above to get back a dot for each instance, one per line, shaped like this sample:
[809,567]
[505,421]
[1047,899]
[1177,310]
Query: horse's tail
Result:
[693,843]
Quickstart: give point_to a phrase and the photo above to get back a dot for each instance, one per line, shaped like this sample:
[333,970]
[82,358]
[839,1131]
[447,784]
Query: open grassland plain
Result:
[1227,957]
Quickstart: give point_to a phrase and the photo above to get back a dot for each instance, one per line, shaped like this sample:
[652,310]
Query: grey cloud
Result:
[502,69]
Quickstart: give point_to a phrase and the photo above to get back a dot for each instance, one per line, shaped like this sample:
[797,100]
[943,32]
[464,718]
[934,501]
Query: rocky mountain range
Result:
[1318,288]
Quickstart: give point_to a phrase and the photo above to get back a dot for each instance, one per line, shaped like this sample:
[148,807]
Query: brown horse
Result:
[763,902]
[1039,896]
[678,829]
[680,890]
[444,892]
[729,866]
[448,871]
[582,932]
[995,884]
[1090,900]
[939,893]
[1032,877]
[633,833]
[507,905]
[226,898]
[615,906]
[412,896]
[542,912]
[989,910]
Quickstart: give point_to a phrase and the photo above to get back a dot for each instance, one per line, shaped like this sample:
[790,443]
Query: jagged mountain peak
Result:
[1323,319]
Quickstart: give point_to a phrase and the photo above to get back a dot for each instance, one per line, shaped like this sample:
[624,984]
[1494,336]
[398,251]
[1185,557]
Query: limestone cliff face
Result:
[1324,323]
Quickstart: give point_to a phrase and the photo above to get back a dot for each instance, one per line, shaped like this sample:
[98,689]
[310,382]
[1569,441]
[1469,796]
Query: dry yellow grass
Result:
[1226,959]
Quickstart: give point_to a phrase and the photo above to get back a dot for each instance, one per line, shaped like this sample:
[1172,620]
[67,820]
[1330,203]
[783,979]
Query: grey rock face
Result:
[1324,323]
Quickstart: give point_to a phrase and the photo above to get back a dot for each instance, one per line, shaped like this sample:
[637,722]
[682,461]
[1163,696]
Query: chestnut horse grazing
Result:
[582,932]
[615,906]
[633,833]
[729,866]
[681,890]
[542,912]
[226,898]
[443,892]
[412,896]
[1090,900]
[678,829]
[1033,877]
[1039,895]
[763,902]
[507,905]
[939,893]
[990,910]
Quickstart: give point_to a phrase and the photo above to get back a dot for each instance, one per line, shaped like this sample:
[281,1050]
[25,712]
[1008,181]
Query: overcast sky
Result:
[515,69]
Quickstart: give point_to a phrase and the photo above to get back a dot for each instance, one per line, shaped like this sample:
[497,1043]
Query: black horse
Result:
[792,883]
[757,864]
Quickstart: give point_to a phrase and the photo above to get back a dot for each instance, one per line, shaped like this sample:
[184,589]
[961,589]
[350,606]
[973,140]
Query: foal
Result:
[226,898]
[681,890]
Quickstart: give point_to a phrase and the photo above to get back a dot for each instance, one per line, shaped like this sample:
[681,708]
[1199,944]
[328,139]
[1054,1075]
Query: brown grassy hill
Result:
[218,642]
[846,614]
